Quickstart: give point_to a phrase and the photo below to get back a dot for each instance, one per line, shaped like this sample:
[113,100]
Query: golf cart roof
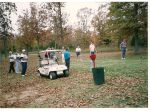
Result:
[48,50]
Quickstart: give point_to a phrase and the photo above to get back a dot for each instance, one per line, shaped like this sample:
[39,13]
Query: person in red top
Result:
[46,54]
[92,55]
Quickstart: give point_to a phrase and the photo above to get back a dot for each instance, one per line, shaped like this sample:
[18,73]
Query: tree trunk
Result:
[5,46]
[38,43]
[0,57]
[60,21]
[27,48]
[119,41]
[55,45]
[136,45]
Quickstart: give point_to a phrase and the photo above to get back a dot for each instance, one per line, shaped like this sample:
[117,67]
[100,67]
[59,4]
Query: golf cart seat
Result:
[44,62]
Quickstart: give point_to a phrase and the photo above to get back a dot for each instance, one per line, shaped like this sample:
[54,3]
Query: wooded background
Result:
[45,25]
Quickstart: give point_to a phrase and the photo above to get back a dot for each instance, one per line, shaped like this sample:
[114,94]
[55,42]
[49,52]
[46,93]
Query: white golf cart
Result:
[50,65]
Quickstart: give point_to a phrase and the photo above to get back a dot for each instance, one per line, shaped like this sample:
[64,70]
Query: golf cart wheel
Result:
[66,73]
[52,75]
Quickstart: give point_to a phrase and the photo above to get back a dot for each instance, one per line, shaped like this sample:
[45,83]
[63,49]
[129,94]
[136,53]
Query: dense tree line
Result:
[45,25]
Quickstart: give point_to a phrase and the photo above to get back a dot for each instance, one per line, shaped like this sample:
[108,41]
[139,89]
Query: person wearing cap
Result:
[24,59]
[11,61]
[67,58]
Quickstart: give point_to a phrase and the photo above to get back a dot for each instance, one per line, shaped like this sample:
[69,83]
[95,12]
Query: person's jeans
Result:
[11,67]
[24,67]
[67,61]
[123,50]
[17,66]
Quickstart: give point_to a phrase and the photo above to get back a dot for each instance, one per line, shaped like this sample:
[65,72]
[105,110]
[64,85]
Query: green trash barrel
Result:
[98,75]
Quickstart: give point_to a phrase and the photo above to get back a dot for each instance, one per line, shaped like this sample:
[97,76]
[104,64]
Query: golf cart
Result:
[49,64]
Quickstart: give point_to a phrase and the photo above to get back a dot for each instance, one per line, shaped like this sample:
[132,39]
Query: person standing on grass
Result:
[123,47]
[11,61]
[78,51]
[17,62]
[92,55]
[92,48]
[24,59]
[67,58]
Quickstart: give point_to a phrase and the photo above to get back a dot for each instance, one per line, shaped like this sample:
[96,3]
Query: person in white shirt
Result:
[17,58]
[92,48]
[11,61]
[24,60]
[78,51]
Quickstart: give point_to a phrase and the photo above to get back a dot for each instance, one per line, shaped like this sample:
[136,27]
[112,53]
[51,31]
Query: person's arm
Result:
[21,56]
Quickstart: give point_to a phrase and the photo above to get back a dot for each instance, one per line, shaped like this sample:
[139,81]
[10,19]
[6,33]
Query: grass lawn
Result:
[126,84]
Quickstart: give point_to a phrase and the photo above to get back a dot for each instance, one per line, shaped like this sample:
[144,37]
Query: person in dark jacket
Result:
[123,47]
[67,58]
[11,61]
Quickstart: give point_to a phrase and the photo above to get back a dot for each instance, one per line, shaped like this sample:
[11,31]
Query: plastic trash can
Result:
[98,75]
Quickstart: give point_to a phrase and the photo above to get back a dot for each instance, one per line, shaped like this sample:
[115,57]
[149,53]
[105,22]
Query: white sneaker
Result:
[22,75]
[121,58]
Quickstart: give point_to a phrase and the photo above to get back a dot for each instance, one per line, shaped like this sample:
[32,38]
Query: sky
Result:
[70,8]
